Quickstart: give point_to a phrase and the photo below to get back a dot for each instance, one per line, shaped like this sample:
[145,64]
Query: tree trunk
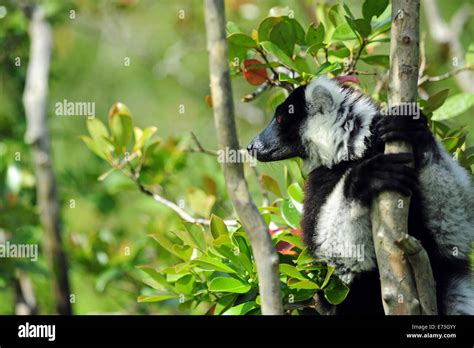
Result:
[402,284]
[264,253]
[35,102]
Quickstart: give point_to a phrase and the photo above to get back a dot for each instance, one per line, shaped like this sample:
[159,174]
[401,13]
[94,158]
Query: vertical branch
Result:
[264,253]
[390,209]
[37,135]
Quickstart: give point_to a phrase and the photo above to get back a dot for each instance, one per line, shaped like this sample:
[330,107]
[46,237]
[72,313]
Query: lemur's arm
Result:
[445,187]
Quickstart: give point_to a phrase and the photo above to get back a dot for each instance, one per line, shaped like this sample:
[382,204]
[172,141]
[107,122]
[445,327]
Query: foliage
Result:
[217,266]
[216,273]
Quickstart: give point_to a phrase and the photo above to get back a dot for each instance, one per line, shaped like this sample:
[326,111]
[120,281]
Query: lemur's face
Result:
[281,139]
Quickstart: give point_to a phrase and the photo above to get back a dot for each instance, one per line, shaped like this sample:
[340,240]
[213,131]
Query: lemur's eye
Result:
[279,119]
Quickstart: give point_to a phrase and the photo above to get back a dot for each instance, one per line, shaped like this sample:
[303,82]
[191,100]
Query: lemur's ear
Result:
[320,99]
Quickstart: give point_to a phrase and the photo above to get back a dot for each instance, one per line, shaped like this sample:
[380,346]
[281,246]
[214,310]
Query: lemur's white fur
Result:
[325,135]
[338,216]
[446,190]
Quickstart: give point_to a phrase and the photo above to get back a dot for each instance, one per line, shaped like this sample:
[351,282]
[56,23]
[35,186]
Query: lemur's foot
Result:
[384,172]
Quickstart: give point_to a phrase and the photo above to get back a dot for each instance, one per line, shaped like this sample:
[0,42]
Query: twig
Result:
[381,83]
[274,80]
[422,67]
[352,64]
[262,88]
[444,76]
[182,214]
[200,148]
[449,34]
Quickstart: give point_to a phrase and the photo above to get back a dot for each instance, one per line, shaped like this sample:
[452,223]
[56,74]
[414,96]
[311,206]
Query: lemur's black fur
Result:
[341,135]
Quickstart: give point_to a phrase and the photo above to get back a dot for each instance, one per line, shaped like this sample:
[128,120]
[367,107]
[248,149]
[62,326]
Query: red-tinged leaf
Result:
[285,248]
[347,78]
[254,75]
[296,232]
[208,100]
[276,230]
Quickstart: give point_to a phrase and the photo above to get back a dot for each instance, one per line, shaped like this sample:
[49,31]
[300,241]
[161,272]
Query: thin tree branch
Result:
[444,76]
[264,252]
[449,34]
[181,212]
[35,99]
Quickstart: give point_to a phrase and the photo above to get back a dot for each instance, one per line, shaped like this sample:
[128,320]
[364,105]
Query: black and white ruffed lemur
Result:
[340,134]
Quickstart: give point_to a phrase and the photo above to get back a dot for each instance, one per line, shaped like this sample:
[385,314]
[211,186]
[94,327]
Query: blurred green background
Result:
[168,70]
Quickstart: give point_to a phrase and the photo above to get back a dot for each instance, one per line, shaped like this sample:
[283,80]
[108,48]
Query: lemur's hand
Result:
[383,172]
[402,124]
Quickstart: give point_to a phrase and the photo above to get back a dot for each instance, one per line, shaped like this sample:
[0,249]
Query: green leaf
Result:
[380,60]
[241,39]
[196,233]
[156,298]
[266,25]
[121,125]
[295,192]
[99,132]
[286,78]
[290,214]
[227,284]
[313,49]
[304,258]
[224,303]
[372,8]
[231,28]
[234,255]
[303,284]
[291,271]
[209,263]
[343,32]
[158,278]
[93,146]
[271,185]
[185,285]
[283,35]
[314,35]
[274,50]
[336,291]
[299,31]
[435,101]
[241,309]
[293,239]
[218,227]
[454,106]
[327,67]
[142,137]
[180,251]
[330,271]
[361,25]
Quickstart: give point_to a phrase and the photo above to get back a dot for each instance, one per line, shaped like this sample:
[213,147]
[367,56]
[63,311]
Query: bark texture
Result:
[264,252]
[401,293]
[35,102]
